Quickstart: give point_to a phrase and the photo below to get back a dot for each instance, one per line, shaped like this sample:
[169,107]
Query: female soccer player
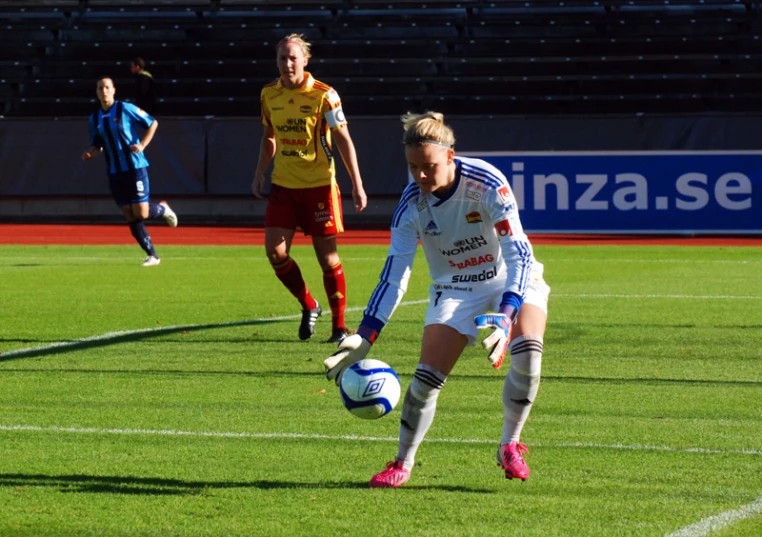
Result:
[113,131]
[464,213]
[300,116]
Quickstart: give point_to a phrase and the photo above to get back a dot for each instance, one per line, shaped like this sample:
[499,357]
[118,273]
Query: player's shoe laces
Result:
[338,335]
[169,215]
[509,458]
[151,261]
[307,326]
[392,477]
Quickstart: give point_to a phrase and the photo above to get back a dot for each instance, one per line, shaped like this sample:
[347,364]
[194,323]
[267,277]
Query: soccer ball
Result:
[369,389]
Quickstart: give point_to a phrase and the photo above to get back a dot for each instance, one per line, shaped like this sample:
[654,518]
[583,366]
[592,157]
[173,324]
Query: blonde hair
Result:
[299,40]
[427,128]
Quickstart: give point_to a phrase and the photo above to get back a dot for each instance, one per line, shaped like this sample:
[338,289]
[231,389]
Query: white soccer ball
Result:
[369,389]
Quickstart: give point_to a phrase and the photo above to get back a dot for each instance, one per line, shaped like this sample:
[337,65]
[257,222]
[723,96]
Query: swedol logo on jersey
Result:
[483,276]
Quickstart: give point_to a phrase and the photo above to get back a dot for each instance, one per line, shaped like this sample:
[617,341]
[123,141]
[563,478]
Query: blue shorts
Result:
[130,187]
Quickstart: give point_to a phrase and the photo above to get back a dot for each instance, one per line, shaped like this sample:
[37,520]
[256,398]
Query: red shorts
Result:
[316,211]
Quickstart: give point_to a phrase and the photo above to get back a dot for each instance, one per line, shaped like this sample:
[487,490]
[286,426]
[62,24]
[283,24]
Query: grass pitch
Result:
[178,400]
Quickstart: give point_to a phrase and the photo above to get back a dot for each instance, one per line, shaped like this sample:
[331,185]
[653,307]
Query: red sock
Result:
[290,275]
[336,288]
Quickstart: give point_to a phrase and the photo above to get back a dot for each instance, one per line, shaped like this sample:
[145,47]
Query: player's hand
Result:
[257,185]
[351,350]
[497,341]
[359,198]
[137,148]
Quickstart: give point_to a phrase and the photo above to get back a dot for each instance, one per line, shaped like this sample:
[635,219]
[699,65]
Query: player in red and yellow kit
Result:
[301,117]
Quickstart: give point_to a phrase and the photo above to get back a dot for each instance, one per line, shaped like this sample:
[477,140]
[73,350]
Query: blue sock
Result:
[141,235]
[155,210]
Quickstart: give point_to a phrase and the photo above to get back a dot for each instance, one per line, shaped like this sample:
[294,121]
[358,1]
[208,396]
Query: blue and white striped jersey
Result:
[115,130]
[472,239]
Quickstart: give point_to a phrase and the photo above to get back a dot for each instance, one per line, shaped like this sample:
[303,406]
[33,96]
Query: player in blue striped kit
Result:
[114,132]
[464,213]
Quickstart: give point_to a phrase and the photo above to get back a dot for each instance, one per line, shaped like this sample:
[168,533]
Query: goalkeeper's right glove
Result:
[353,349]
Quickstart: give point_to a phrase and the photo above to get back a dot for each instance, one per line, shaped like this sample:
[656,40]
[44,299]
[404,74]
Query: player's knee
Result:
[427,383]
[526,355]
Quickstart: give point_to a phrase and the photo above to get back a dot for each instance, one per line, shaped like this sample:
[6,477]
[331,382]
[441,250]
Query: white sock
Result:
[418,412]
[521,385]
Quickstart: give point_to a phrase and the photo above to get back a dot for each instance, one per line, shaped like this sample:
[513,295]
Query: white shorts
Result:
[457,308]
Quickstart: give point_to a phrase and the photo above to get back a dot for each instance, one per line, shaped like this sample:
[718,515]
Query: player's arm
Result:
[96,142]
[387,295]
[266,156]
[349,156]
[141,146]
[517,254]
[91,152]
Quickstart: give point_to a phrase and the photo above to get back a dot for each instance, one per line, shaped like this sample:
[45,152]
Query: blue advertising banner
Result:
[635,191]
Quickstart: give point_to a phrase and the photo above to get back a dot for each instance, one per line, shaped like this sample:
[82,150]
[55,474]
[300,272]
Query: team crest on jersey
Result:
[503,228]
[474,217]
[321,206]
[505,194]
[290,101]
[305,109]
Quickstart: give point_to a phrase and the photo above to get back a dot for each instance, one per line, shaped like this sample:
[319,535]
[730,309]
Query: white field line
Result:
[680,297]
[121,333]
[721,521]
[351,437]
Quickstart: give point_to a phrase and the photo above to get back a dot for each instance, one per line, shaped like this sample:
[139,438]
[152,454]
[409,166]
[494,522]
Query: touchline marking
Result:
[720,521]
[351,437]
[114,335]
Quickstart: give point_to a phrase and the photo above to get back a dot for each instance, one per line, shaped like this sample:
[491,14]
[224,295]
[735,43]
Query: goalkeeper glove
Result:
[353,349]
[497,341]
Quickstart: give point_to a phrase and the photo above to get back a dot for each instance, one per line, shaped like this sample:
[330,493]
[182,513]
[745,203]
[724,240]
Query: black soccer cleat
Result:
[338,335]
[307,326]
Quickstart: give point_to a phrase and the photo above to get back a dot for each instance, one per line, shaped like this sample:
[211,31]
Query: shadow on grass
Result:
[270,373]
[161,486]
[126,336]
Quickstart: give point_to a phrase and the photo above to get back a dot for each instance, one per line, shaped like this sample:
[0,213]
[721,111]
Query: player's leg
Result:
[136,221]
[281,221]
[335,283]
[278,247]
[324,220]
[441,348]
[141,193]
[449,327]
[127,190]
[523,379]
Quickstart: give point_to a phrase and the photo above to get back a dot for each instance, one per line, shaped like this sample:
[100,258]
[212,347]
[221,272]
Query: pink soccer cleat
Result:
[392,477]
[509,459]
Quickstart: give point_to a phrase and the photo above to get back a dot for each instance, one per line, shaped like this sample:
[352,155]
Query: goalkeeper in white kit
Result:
[484,275]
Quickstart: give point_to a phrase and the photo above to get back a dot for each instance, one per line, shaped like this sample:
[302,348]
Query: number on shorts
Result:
[139,185]
[436,300]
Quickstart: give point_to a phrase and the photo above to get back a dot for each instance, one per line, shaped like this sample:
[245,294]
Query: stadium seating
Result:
[469,57]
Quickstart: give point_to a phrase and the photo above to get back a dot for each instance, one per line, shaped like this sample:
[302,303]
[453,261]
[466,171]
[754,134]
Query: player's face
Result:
[291,63]
[432,167]
[105,91]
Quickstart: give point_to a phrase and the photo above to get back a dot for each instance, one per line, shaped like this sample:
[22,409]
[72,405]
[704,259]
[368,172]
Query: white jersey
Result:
[473,239]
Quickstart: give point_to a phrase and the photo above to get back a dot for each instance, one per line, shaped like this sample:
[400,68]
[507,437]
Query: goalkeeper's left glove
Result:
[351,350]
[497,341]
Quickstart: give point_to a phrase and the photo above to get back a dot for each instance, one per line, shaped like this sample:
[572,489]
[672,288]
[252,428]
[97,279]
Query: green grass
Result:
[214,420]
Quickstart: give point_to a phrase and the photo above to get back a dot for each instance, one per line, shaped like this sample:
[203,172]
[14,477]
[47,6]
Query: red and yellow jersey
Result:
[302,120]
